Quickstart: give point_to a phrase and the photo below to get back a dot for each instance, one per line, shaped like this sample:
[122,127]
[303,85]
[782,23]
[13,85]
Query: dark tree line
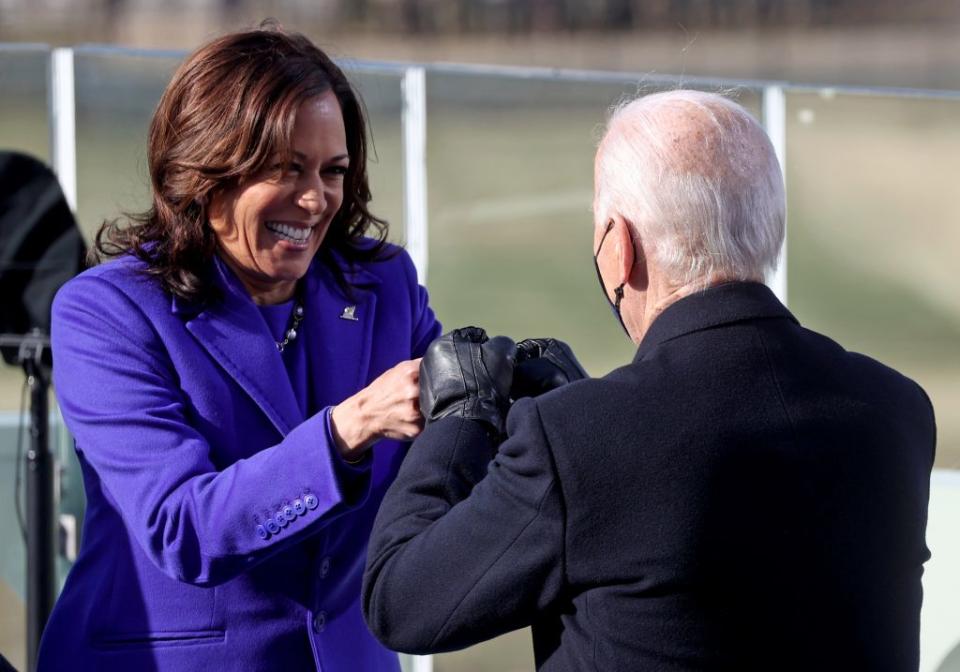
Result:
[519,17]
[524,16]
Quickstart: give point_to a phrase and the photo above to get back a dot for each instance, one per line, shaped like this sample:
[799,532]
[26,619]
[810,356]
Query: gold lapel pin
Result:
[348,314]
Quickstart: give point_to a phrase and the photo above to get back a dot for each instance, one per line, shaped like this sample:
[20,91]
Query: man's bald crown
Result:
[698,175]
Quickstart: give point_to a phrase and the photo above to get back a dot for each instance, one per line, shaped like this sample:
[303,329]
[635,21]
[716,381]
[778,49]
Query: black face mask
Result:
[618,292]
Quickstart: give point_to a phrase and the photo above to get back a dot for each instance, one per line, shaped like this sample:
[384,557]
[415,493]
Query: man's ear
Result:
[631,263]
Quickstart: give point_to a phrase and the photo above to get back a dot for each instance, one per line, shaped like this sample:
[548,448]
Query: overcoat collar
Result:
[234,333]
[722,304]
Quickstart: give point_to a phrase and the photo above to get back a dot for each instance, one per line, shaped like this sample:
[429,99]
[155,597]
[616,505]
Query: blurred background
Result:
[881,42]
[872,156]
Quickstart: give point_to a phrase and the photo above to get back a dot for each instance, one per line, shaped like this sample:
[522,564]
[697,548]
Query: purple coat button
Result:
[299,507]
[311,501]
[272,526]
[262,531]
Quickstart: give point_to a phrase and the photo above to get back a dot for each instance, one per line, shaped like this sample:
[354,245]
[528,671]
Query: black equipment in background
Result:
[41,247]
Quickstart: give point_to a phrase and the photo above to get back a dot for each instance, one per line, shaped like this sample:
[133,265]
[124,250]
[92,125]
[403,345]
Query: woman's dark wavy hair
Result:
[228,111]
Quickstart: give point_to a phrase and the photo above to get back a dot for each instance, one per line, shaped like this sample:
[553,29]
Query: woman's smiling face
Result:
[270,226]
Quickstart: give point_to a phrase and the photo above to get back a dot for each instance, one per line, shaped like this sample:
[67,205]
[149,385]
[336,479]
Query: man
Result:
[745,495]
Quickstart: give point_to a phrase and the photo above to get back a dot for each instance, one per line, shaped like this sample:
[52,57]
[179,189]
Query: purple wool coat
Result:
[222,530]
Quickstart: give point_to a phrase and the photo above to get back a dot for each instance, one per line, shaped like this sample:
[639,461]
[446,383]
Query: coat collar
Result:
[715,306]
[234,333]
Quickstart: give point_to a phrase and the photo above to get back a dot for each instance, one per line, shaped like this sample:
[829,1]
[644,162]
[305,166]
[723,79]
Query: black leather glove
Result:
[465,374]
[542,365]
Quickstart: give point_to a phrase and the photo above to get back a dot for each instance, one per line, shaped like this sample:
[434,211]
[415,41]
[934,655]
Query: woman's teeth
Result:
[295,234]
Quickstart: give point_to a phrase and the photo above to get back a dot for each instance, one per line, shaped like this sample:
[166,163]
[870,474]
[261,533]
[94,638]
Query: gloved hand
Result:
[542,365]
[465,374]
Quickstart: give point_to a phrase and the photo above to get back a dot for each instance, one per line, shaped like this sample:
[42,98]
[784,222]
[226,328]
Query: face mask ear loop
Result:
[618,292]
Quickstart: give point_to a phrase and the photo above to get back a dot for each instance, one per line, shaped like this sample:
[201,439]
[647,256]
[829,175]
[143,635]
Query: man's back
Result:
[746,494]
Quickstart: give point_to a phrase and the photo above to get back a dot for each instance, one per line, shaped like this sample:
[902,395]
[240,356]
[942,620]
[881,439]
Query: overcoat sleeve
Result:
[469,542]
[120,394]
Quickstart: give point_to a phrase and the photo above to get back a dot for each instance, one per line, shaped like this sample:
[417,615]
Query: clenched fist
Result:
[467,375]
[387,408]
[542,365]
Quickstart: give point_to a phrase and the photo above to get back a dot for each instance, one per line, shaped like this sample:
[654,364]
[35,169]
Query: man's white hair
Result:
[696,176]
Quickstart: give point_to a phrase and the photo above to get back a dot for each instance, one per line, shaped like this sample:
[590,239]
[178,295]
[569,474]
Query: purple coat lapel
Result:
[339,346]
[236,336]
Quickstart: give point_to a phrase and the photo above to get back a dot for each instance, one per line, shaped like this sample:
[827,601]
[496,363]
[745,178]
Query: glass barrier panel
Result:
[874,235]
[24,124]
[382,98]
[116,93]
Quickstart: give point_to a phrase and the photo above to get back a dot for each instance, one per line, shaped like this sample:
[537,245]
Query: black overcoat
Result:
[745,495]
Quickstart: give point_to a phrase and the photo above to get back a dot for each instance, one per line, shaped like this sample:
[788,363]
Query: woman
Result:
[217,379]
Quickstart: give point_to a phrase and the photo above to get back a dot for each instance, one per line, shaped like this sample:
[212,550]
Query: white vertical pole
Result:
[414,87]
[410,663]
[63,132]
[774,102]
[415,175]
[421,664]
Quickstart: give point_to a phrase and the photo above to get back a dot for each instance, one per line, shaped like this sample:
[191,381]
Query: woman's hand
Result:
[387,408]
